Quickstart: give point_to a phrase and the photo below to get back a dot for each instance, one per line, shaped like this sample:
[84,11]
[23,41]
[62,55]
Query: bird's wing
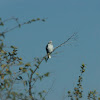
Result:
[47,48]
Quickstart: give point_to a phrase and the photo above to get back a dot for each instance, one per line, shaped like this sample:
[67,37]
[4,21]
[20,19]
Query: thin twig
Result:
[64,42]
[9,19]
[49,89]
[19,25]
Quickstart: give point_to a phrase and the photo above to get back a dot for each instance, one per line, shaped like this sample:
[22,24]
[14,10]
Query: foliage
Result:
[18,79]
[77,93]
[14,73]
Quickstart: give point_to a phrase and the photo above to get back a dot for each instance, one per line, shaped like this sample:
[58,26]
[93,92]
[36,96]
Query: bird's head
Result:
[50,42]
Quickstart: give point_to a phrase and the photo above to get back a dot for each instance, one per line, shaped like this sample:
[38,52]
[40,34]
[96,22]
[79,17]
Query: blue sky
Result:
[64,17]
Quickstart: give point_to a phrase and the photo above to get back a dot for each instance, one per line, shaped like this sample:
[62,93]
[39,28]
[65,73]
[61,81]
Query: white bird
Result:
[49,48]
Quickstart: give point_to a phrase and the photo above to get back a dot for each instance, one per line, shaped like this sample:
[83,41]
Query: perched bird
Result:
[49,48]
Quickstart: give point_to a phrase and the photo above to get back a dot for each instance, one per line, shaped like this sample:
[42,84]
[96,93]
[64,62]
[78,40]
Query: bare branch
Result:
[64,42]
[19,25]
[49,89]
[9,19]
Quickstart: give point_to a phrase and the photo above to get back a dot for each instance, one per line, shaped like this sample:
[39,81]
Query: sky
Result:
[63,18]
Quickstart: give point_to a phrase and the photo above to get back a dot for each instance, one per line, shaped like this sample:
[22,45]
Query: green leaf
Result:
[20,68]
[47,74]
[2,44]
[1,23]
[36,65]
[38,18]
[33,20]
[25,83]
[20,63]
[20,77]
[43,98]
[37,73]
[43,20]
[14,93]
[19,25]
[40,77]
[24,70]
[40,94]
[20,58]
[44,91]
[8,72]
[2,76]
[31,70]
[28,64]
[3,65]
[83,65]
[13,47]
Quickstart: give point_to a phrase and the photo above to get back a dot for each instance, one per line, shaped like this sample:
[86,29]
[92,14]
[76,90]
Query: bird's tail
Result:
[49,56]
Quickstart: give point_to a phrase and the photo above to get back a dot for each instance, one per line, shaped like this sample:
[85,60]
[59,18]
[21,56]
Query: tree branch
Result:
[64,42]
[45,57]
[19,25]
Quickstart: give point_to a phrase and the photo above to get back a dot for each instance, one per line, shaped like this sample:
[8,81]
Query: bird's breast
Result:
[50,48]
